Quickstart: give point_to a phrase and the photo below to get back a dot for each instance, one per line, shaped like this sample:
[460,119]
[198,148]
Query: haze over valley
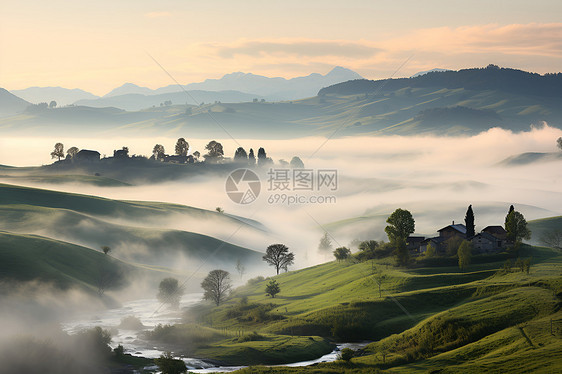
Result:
[325,187]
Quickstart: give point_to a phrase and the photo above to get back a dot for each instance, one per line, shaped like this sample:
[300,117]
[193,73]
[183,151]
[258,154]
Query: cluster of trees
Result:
[217,285]
[215,154]
[214,149]
[401,225]
[34,108]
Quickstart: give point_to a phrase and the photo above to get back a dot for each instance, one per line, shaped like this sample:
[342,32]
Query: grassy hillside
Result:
[145,245]
[30,257]
[423,317]
[136,232]
[134,210]
[11,194]
[542,227]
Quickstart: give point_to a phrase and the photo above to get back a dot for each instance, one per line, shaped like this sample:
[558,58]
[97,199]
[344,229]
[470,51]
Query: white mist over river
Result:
[151,313]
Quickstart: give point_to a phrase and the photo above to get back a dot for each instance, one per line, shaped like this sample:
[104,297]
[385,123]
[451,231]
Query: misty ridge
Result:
[376,170]
[463,102]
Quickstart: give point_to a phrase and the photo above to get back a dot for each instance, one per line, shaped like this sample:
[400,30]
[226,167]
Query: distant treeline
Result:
[491,77]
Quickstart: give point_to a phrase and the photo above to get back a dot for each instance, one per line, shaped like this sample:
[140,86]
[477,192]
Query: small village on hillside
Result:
[492,239]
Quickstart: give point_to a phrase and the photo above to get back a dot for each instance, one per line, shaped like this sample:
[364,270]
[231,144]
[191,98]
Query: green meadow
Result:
[425,318]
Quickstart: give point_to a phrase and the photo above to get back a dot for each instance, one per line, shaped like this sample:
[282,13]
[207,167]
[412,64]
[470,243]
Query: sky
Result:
[99,45]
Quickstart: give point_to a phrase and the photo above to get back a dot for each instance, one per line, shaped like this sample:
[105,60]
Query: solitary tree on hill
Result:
[217,286]
[170,292]
[58,152]
[469,222]
[278,255]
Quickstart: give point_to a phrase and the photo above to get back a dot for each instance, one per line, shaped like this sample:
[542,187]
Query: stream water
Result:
[150,314]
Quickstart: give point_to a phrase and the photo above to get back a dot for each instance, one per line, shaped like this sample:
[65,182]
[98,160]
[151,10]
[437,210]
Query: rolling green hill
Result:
[541,228]
[424,319]
[134,210]
[145,245]
[136,232]
[26,258]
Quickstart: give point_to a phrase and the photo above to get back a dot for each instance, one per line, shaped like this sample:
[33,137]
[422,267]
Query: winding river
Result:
[147,310]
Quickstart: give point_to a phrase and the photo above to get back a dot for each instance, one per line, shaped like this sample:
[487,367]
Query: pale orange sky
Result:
[100,45]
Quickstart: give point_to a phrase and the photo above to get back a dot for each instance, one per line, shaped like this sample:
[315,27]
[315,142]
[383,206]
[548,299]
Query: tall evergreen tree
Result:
[511,209]
[240,155]
[251,157]
[469,223]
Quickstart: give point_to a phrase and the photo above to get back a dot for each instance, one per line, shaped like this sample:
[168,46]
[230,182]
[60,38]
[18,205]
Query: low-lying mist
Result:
[434,177]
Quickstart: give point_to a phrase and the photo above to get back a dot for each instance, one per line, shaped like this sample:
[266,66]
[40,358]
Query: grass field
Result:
[135,231]
[26,258]
[429,318]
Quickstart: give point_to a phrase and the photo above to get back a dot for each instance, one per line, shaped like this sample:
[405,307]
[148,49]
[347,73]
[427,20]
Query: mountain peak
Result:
[343,73]
[129,88]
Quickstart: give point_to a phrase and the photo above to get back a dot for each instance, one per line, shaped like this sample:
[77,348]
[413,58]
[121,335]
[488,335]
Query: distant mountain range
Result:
[271,88]
[63,96]
[440,102]
[234,87]
[10,103]
[136,101]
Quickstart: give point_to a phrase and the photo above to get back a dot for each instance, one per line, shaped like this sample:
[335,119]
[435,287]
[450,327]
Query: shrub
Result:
[169,365]
[119,350]
[346,354]
[272,288]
